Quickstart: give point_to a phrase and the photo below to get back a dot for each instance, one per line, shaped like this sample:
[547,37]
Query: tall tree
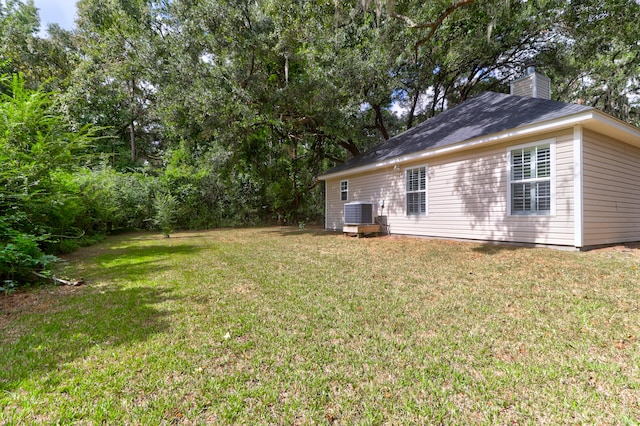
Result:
[19,25]
[41,61]
[596,57]
[112,87]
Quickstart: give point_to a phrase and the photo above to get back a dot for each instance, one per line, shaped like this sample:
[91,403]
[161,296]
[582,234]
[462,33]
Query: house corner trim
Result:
[326,205]
[578,187]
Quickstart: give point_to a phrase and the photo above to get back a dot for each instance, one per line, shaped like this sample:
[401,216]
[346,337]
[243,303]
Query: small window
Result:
[530,180]
[344,190]
[416,187]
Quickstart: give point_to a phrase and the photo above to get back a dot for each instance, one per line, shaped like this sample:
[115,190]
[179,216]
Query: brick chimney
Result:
[533,84]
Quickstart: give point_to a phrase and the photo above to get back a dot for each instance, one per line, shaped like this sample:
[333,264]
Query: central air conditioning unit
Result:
[358,213]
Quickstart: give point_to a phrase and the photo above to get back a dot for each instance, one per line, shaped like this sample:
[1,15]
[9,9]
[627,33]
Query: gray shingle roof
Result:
[483,115]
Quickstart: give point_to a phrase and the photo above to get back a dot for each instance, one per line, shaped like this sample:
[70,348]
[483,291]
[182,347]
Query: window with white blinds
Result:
[416,191]
[530,179]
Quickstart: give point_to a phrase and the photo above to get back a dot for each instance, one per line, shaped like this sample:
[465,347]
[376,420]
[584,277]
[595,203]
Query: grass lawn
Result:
[284,326]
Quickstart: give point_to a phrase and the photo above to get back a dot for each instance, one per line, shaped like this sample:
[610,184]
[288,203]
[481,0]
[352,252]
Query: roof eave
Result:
[592,119]
[610,126]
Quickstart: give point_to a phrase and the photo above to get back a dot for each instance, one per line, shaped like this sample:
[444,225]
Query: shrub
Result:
[116,200]
[165,213]
[20,255]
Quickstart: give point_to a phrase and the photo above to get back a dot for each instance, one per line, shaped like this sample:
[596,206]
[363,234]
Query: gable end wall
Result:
[611,190]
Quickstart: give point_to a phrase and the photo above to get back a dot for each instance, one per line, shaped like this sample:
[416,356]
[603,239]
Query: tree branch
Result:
[434,25]
[380,121]
[350,146]
[59,280]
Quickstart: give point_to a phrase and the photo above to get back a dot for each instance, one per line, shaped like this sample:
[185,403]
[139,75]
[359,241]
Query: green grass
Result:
[283,326]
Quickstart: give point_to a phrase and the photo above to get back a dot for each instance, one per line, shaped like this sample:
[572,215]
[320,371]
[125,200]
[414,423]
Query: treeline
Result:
[57,194]
[191,114]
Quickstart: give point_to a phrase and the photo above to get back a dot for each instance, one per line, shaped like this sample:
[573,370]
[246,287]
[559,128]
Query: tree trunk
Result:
[412,111]
[350,146]
[132,141]
[380,122]
[286,69]
[132,129]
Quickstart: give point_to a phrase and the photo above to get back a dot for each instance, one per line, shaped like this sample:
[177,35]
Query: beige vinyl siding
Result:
[367,187]
[466,197]
[611,190]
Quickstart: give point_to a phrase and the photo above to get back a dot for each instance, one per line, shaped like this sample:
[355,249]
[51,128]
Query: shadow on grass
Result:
[177,235]
[315,232]
[45,339]
[495,248]
[133,249]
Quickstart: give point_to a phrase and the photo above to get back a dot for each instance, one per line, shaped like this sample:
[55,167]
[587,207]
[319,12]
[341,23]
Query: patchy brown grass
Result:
[280,325]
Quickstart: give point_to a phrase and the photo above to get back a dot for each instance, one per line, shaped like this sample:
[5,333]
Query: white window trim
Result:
[346,191]
[426,191]
[552,152]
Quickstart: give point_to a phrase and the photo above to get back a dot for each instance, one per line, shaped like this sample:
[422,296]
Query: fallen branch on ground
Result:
[59,280]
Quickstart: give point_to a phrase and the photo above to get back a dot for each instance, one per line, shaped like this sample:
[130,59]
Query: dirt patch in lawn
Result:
[632,249]
[31,301]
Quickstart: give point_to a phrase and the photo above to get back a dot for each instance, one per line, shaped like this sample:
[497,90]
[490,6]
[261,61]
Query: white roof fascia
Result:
[614,127]
[506,135]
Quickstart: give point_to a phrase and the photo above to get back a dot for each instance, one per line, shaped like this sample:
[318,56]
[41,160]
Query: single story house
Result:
[516,168]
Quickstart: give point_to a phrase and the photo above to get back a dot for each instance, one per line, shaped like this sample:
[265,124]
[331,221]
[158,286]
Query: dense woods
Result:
[186,114]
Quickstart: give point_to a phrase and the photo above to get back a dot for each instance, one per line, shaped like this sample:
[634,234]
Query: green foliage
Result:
[165,213]
[19,255]
[198,187]
[116,200]
[71,244]
[39,155]
[117,42]
[35,143]
[597,61]
[43,61]
[20,252]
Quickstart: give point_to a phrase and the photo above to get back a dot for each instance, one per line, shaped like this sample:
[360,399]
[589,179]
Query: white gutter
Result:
[618,128]
[599,120]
